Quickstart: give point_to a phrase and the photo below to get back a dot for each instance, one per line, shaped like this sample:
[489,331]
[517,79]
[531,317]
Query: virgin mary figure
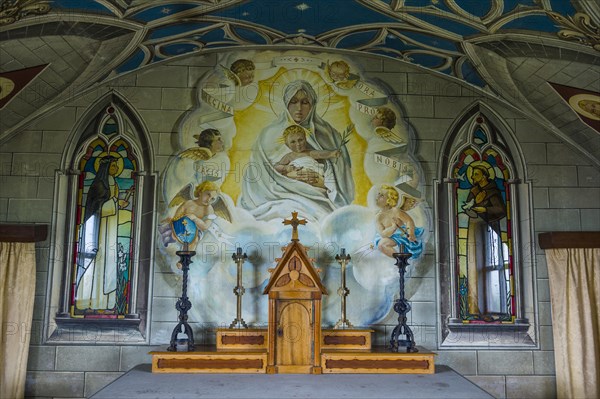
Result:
[268,194]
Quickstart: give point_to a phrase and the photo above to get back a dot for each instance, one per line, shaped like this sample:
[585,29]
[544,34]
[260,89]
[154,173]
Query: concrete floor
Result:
[139,382]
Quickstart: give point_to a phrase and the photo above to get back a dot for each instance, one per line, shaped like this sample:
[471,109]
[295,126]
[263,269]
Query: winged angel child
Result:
[201,209]
[395,227]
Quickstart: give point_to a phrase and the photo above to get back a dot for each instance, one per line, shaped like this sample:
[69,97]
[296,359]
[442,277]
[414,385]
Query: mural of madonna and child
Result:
[300,132]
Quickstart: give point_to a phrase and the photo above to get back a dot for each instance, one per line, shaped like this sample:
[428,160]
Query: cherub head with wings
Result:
[385,117]
[393,197]
[241,72]
[209,143]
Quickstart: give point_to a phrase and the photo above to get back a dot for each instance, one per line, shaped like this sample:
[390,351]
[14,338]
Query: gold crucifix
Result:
[294,222]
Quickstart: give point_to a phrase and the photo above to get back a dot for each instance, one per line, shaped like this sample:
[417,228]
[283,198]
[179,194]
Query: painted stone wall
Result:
[293,136]
[565,192]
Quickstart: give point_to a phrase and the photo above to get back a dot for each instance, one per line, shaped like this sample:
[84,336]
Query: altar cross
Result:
[294,222]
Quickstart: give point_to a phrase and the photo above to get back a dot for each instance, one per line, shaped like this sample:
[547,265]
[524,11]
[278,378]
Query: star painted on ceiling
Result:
[302,7]
[165,10]
[301,30]
[245,13]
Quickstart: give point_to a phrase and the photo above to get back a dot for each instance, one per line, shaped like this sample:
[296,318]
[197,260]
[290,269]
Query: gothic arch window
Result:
[102,249]
[100,283]
[484,233]
[484,258]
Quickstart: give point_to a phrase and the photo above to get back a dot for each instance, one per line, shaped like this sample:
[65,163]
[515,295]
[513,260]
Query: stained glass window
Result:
[103,250]
[484,246]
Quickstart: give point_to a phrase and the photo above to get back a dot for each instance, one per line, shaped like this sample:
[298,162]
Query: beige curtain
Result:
[575,293]
[17,291]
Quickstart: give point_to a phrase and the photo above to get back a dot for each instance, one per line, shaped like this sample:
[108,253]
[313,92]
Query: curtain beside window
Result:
[575,293]
[17,291]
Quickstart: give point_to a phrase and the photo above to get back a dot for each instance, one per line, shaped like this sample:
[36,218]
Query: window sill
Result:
[487,336]
[97,331]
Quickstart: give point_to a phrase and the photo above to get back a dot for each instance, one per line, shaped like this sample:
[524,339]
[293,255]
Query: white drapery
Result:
[17,290]
[574,275]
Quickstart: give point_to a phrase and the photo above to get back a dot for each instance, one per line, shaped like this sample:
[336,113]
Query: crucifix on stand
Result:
[295,222]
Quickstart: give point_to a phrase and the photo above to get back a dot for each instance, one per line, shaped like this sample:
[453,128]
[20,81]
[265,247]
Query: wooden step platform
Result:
[333,361]
[242,338]
[377,361]
[257,338]
[348,339]
[209,360]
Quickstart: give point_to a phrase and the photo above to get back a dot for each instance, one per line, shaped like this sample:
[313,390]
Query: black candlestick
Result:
[183,303]
[402,307]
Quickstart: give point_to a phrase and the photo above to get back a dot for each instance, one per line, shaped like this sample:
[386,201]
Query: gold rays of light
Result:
[266,108]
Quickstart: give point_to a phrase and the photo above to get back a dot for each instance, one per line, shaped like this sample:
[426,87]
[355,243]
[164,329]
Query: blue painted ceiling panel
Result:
[78,5]
[161,11]
[307,16]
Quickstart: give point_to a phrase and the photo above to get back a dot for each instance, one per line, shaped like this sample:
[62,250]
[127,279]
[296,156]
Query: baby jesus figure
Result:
[302,163]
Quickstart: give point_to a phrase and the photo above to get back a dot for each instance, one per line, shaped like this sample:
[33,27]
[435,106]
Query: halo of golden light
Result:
[322,88]
[120,163]
[484,164]
[577,98]
[267,107]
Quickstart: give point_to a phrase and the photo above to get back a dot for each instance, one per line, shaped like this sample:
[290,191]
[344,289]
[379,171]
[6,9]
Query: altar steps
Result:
[208,360]
[343,351]
[334,361]
[378,360]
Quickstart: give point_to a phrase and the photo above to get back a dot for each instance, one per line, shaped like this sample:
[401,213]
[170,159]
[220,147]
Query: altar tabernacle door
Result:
[295,291]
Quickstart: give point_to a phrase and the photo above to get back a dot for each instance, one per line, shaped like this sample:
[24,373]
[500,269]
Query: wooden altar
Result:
[294,341]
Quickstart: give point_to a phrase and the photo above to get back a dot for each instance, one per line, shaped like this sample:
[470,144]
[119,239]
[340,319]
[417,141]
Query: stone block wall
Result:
[566,188]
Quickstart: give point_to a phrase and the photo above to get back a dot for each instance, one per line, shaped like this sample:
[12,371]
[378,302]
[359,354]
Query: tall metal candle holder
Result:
[183,304]
[239,290]
[402,307]
[343,291]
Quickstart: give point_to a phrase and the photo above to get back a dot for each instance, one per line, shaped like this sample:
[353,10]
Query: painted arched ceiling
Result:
[510,49]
